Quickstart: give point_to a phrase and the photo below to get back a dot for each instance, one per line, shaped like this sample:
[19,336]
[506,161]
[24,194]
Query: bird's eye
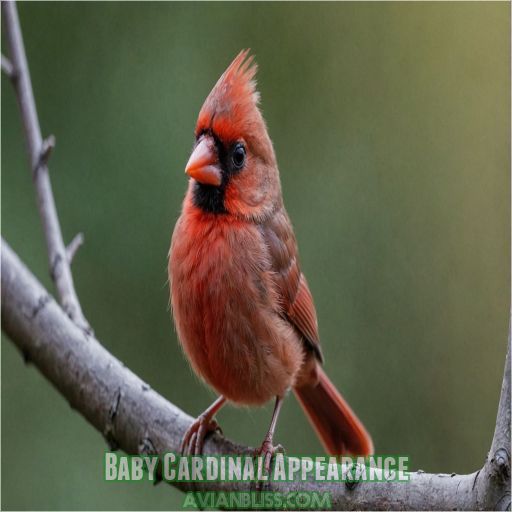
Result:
[238,156]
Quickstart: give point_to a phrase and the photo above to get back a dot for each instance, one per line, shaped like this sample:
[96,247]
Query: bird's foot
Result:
[193,440]
[267,451]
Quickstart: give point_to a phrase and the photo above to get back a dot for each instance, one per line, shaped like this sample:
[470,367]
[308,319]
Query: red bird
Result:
[242,307]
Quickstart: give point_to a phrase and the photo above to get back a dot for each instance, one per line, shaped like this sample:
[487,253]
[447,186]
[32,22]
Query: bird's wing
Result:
[295,299]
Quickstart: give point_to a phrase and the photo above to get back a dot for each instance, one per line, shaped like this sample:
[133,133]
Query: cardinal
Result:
[243,310]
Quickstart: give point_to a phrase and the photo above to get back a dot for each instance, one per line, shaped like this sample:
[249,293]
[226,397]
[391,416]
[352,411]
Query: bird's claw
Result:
[267,451]
[193,440]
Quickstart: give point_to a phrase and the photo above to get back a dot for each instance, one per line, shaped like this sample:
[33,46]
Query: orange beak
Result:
[203,164]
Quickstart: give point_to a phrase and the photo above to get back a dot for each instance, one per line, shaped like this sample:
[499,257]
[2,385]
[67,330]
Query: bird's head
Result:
[233,165]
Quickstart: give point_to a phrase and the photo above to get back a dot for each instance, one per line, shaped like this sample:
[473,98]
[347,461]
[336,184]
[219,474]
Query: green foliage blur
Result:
[391,127]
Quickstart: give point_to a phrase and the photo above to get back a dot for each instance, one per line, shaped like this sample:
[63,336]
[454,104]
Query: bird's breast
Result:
[226,310]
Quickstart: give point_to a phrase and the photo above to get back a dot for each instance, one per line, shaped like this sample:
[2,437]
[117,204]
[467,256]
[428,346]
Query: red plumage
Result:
[243,310]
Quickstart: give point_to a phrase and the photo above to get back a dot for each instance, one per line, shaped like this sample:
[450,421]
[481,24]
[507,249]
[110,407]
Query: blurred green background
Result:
[391,127]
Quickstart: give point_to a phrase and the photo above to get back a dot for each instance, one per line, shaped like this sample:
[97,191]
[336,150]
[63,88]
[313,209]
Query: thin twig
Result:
[136,419]
[7,67]
[47,148]
[73,246]
[39,152]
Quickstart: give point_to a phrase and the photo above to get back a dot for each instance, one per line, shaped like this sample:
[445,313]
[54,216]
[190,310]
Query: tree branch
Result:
[39,151]
[136,419]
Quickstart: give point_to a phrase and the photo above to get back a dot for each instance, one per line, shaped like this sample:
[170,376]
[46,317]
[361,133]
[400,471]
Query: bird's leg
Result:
[267,448]
[193,440]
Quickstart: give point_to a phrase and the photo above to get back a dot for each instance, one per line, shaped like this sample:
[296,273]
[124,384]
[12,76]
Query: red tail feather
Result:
[335,423]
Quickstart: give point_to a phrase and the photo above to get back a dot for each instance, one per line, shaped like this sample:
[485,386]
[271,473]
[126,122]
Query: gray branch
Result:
[39,150]
[136,419]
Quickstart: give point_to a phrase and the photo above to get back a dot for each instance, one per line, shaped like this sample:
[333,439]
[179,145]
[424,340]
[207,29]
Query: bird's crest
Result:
[232,103]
